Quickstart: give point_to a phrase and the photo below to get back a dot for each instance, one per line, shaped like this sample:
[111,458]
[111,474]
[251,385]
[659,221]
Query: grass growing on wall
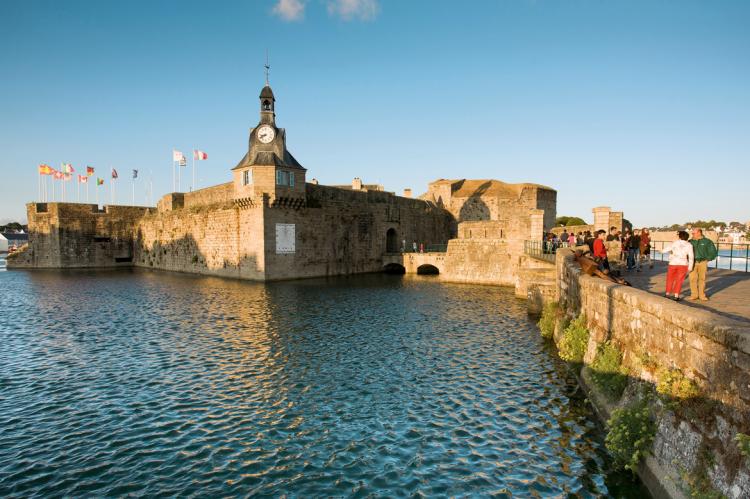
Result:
[631,433]
[575,339]
[672,383]
[607,371]
[548,319]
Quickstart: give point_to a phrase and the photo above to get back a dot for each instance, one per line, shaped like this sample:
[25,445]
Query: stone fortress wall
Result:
[655,334]
[493,219]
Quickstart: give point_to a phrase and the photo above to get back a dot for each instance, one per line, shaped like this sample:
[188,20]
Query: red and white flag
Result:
[114,173]
[83,179]
[177,155]
[199,155]
[58,175]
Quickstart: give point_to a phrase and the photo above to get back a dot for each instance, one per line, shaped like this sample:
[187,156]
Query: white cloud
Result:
[364,10]
[290,10]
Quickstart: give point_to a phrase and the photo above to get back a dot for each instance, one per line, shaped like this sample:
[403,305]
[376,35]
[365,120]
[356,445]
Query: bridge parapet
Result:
[416,263]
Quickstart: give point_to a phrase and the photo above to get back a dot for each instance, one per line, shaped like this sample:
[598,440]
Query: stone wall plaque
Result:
[285,239]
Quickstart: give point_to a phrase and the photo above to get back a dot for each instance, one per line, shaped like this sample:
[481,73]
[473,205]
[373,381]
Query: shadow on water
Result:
[144,382]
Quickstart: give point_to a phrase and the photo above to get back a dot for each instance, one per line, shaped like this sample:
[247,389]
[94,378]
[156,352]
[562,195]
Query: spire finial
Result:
[268,67]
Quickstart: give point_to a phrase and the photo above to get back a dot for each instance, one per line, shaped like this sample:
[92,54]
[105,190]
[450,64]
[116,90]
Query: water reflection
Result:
[149,382]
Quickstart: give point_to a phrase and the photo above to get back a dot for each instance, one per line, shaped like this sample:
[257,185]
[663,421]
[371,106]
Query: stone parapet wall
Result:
[217,194]
[713,352]
[485,261]
[656,335]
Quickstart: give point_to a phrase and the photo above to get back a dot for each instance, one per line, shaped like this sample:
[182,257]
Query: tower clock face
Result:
[266,134]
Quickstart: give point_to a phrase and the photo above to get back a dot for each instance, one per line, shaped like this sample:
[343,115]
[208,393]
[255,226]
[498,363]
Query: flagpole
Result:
[132,182]
[78,191]
[193,186]
[96,190]
[39,186]
[87,188]
[179,178]
[174,176]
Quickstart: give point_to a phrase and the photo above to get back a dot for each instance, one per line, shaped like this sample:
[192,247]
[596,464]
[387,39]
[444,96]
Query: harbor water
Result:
[150,383]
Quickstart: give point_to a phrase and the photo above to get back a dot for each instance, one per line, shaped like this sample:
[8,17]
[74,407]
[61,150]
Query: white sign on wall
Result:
[284,239]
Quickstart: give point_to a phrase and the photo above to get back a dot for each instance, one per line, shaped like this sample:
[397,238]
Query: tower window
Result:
[284,178]
[266,105]
[247,177]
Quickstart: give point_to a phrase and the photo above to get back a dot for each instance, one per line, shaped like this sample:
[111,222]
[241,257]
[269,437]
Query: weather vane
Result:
[267,66]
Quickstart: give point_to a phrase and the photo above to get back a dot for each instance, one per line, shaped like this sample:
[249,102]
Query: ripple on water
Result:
[119,383]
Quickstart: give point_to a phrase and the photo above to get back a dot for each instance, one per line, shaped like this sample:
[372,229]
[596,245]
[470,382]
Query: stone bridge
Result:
[414,263]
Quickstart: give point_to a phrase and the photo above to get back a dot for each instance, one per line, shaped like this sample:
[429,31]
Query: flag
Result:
[83,179]
[135,173]
[177,156]
[99,181]
[58,175]
[114,173]
[45,170]
[183,161]
[199,155]
[89,170]
[67,168]
[67,176]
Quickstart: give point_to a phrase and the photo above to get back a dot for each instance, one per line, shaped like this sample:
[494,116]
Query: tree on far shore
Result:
[13,227]
[568,221]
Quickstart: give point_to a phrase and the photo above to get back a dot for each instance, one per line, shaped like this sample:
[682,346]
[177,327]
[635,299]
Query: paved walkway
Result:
[728,290]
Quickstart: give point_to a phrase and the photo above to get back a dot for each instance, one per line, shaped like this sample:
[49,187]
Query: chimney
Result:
[357,184]
[407,193]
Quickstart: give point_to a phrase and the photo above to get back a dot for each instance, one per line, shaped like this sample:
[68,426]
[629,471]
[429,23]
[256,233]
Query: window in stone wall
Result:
[284,178]
[247,177]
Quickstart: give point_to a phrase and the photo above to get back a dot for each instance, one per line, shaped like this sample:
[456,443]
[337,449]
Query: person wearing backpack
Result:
[704,250]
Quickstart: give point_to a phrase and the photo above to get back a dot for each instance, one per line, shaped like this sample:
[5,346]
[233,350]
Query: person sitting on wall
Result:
[590,267]
[600,251]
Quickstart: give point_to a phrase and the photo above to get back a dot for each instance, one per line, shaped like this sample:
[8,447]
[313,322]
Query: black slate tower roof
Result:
[274,153]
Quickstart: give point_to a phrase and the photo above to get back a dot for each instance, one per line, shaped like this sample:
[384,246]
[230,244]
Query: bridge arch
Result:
[427,269]
[394,268]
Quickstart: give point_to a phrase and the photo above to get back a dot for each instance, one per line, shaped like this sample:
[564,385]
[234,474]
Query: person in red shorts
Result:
[681,262]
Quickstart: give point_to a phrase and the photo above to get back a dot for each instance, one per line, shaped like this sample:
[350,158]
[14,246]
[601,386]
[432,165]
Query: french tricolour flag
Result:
[199,155]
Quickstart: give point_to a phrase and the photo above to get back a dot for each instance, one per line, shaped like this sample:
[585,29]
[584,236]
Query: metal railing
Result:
[427,248]
[732,256]
[542,250]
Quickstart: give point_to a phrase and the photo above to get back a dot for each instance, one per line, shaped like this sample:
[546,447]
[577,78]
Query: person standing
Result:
[564,237]
[704,250]
[680,263]
[572,239]
[646,247]
[634,251]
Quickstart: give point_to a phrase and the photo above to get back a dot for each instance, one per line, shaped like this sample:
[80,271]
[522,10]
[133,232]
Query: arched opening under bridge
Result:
[394,268]
[427,269]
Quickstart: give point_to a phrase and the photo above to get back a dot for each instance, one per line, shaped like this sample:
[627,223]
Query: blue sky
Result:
[641,106]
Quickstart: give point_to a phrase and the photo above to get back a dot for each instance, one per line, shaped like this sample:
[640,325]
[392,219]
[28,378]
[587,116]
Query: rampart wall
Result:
[335,232]
[74,235]
[344,232]
[656,335]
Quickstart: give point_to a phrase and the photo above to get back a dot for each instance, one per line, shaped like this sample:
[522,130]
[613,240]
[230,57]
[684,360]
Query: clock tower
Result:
[268,167]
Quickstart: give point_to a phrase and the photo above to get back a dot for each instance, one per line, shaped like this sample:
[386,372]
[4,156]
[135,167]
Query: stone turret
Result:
[268,168]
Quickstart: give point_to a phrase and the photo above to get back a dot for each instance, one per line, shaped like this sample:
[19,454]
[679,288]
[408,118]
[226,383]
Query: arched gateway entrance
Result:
[391,241]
